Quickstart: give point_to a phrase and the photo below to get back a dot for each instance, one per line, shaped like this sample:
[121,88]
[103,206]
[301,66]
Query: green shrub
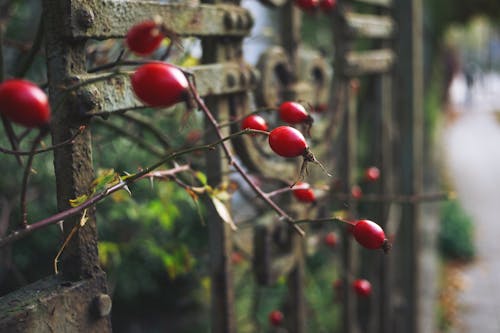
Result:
[456,237]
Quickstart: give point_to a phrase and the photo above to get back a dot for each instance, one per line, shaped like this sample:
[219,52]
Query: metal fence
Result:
[382,44]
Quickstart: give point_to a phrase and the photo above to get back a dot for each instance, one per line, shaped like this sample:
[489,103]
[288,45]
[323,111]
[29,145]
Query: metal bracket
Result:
[103,19]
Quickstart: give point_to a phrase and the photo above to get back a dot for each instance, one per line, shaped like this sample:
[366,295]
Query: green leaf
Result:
[109,253]
[201,177]
[105,179]
[78,200]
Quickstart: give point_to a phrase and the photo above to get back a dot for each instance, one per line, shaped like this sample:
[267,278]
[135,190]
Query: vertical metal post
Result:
[347,165]
[386,133]
[220,243]
[349,174]
[410,106]
[219,233]
[291,37]
[384,266]
[72,163]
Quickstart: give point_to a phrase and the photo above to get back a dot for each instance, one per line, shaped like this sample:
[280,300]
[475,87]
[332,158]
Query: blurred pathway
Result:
[472,152]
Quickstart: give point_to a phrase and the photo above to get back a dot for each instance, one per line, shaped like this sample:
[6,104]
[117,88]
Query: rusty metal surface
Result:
[310,84]
[275,75]
[115,93]
[369,26]
[102,19]
[368,62]
[55,305]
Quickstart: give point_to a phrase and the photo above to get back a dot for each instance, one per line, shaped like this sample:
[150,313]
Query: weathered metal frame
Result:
[103,19]
[221,25]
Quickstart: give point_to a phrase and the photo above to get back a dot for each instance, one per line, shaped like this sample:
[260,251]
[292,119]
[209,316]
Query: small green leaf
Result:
[78,200]
[105,179]
[201,177]
[109,253]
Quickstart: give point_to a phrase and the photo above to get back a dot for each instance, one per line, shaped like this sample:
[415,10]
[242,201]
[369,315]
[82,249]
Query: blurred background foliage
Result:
[456,237]
[153,243]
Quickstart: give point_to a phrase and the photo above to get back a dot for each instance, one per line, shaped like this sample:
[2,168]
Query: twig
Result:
[78,85]
[235,164]
[117,63]
[35,47]
[240,118]
[2,73]
[11,135]
[426,197]
[110,65]
[325,219]
[132,137]
[144,122]
[44,150]
[164,174]
[21,233]
[26,175]
[75,228]
[287,189]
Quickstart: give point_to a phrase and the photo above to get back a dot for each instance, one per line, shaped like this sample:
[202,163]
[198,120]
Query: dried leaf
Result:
[84,218]
[223,212]
[192,194]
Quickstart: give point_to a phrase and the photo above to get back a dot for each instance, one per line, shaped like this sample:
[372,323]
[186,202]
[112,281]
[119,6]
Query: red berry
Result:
[337,285]
[276,318]
[319,108]
[144,38]
[236,258]
[331,239]
[369,234]
[362,287]
[304,194]
[255,122]
[356,192]
[159,84]
[23,102]
[355,85]
[372,174]
[327,5]
[294,113]
[307,5]
[193,136]
[286,141]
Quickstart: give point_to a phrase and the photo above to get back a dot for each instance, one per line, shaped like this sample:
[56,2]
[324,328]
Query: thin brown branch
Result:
[145,122]
[26,175]
[110,65]
[323,220]
[287,189]
[81,84]
[136,139]
[44,150]
[35,48]
[240,118]
[2,73]
[126,181]
[395,198]
[236,165]
[165,174]
[11,135]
